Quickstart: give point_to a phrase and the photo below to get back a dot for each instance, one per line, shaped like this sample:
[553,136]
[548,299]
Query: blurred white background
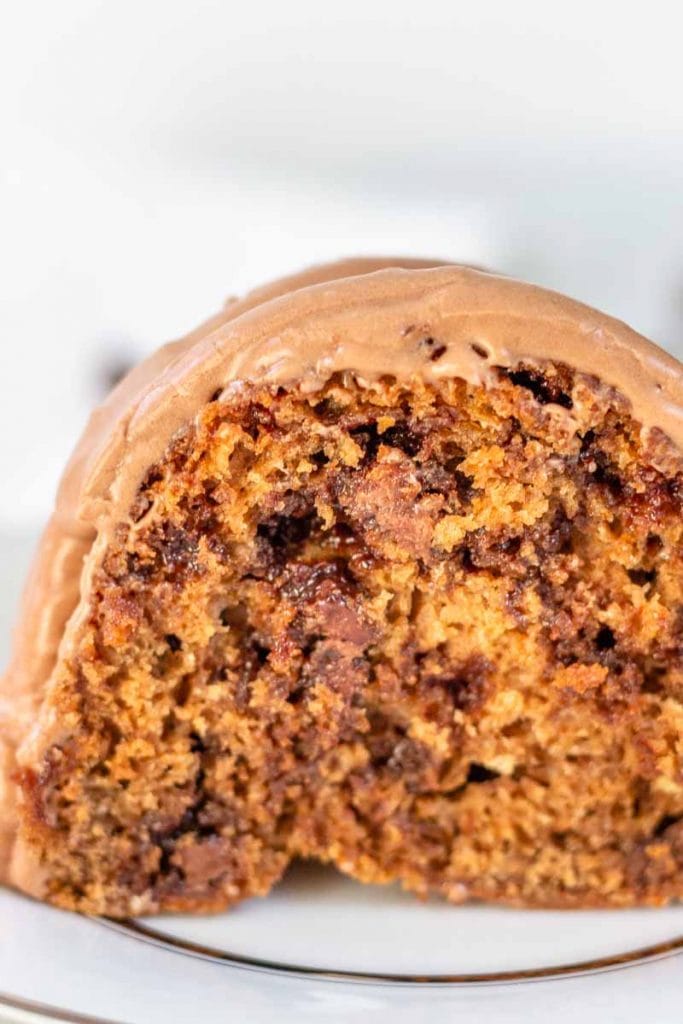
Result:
[157,156]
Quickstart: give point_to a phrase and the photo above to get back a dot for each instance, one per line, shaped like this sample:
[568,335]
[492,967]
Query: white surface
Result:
[72,963]
[159,154]
[318,919]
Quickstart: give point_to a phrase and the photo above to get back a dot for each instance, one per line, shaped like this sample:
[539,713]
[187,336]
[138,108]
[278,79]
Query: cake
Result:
[382,568]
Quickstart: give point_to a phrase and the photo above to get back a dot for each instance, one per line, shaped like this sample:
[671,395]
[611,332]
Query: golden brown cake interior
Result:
[428,632]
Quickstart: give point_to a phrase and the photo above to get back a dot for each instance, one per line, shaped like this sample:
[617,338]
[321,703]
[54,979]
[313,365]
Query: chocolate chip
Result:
[641,577]
[402,437]
[328,411]
[545,389]
[468,685]
[480,773]
[664,824]
[319,459]
[182,691]
[257,420]
[464,486]
[368,437]
[284,532]
[605,639]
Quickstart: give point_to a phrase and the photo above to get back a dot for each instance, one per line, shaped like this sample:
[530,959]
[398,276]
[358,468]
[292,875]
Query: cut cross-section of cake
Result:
[382,567]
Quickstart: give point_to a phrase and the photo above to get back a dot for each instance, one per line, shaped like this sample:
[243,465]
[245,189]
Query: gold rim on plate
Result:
[618,961]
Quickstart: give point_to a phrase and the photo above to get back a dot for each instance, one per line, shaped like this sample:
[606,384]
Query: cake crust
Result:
[431,324]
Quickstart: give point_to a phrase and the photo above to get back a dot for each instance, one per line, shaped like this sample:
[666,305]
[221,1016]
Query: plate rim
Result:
[36,1011]
[667,949]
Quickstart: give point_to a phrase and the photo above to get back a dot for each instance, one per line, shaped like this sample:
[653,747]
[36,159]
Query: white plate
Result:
[322,948]
[318,923]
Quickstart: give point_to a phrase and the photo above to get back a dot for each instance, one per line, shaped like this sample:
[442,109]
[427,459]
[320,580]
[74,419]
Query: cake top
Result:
[369,317]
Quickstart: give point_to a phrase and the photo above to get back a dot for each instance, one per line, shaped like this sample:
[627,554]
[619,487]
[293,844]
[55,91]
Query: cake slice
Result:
[380,567]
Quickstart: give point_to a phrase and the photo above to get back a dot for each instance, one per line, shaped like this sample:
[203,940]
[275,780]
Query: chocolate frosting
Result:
[369,317]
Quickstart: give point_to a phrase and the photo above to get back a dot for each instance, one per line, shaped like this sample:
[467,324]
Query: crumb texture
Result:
[430,633]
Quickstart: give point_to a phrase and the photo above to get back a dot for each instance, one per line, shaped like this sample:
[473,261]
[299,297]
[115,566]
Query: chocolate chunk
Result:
[383,503]
[204,862]
[467,684]
[545,387]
